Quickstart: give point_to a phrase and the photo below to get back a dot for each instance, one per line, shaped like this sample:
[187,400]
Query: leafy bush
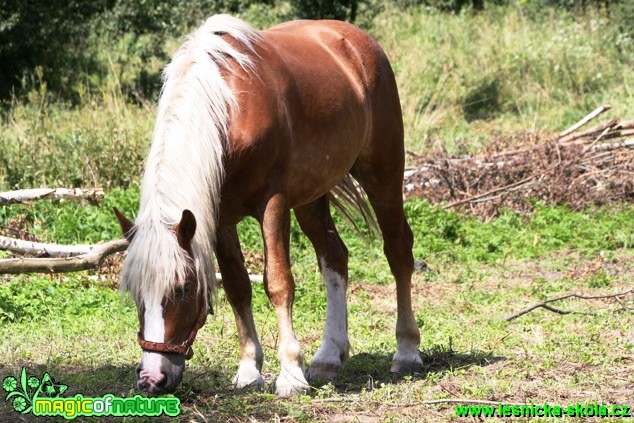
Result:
[326,9]
[47,33]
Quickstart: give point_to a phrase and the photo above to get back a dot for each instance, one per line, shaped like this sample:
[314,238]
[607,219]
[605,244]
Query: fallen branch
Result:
[65,258]
[91,260]
[580,167]
[585,120]
[589,132]
[545,303]
[485,194]
[40,249]
[23,195]
[628,143]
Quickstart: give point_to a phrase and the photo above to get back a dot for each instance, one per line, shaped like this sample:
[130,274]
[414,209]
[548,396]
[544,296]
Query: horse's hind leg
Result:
[237,286]
[387,201]
[332,256]
[381,175]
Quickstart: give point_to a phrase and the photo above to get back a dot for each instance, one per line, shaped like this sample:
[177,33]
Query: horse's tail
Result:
[351,202]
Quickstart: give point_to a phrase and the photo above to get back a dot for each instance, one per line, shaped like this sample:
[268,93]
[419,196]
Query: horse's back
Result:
[334,60]
[320,91]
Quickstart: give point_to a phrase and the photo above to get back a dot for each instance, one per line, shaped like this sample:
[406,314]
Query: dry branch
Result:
[585,120]
[40,249]
[64,258]
[545,304]
[493,191]
[93,259]
[590,132]
[25,195]
[580,169]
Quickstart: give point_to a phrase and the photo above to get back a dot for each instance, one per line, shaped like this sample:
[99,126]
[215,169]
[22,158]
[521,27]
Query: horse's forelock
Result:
[154,263]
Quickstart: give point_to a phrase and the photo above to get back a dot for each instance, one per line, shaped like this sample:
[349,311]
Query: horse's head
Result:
[171,303]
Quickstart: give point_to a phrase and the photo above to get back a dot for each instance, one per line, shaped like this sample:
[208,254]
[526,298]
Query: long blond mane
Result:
[184,168]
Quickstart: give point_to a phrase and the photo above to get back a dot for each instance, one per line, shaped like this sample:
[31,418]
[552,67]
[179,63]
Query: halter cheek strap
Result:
[184,348]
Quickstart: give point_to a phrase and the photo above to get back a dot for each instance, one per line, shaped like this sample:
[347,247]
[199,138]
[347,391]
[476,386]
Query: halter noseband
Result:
[184,348]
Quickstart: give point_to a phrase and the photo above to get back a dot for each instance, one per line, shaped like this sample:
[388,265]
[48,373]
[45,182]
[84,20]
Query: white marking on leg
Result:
[291,380]
[248,374]
[335,339]
[406,358]
[334,347]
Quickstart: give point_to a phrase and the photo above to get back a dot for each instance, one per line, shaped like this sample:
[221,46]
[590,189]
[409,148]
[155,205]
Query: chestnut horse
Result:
[255,123]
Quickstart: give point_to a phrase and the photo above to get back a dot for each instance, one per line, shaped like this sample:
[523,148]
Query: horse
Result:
[256,123]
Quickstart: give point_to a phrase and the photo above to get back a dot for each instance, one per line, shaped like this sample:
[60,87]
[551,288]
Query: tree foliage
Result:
[71,42]
[46,33]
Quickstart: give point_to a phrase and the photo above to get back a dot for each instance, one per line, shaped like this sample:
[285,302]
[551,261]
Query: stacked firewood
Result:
[578,168]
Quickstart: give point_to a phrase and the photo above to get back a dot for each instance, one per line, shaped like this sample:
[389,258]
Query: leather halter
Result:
[184,348]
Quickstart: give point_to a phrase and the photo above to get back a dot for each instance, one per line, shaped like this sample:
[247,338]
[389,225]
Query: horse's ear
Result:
[186,229]
[126,224]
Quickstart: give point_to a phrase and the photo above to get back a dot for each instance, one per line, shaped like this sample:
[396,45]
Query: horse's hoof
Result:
[248,379]
[322,372]
[288,390]
[291,382]
[414,365]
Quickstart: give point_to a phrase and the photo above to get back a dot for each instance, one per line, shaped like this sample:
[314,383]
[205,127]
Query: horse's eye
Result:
[182,290]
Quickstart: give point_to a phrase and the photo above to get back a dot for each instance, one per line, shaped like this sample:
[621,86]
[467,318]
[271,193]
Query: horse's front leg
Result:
[280,287]
[237,286]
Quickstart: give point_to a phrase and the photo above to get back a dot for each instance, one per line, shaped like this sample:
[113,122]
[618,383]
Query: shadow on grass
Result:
[368,370]
[206,388]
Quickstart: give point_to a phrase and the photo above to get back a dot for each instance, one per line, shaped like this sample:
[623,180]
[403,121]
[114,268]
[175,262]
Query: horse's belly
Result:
[314,172]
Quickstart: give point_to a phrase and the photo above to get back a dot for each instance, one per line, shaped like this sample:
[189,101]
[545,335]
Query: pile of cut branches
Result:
[578,168]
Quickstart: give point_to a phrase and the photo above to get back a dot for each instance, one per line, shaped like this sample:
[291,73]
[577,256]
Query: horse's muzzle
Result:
[160,379]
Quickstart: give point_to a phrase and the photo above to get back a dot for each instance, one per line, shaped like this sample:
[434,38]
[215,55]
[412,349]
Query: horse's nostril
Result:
[162,382]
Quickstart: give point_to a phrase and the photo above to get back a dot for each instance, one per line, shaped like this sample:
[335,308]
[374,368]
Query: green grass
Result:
[80,329]
[100,144]
[462,78]
[465,77]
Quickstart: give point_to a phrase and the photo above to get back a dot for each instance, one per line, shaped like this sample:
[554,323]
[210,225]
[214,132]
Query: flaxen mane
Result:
[184,168]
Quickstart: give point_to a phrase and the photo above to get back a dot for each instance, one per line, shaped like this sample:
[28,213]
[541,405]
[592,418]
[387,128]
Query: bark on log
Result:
[93,259]
[23,195]
[40,249]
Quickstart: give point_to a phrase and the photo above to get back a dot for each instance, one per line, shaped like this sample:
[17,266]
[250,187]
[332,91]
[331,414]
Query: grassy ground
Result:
[463,78]
[78,328]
